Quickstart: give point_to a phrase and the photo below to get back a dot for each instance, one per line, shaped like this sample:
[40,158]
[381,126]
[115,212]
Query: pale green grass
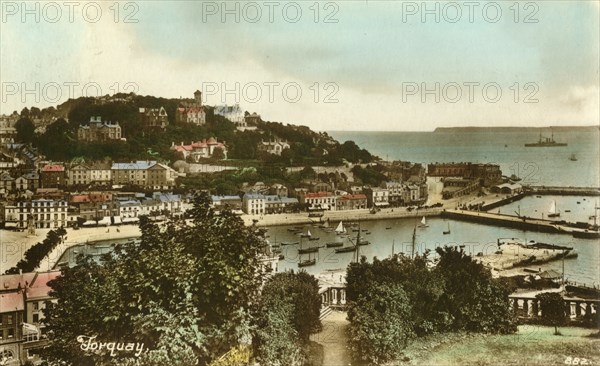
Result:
[532,345]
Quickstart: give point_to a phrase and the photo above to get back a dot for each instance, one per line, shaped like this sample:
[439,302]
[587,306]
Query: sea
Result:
[548,166]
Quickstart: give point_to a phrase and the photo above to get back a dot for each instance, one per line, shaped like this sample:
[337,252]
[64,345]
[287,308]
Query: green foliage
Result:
[185,291]
[370,175]
[288,314]
[35,254]
[25,130]
[457,294]
[553,308]
[381,323]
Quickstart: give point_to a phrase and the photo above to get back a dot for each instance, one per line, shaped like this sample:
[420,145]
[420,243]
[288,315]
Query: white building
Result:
[233,113]
[274,147]
[43,213]
[254,204]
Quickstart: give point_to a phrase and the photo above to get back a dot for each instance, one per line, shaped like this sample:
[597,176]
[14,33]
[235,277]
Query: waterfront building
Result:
[234,203]
[377,197]
[254,203]
[98,131]
[319,201]
[278,204]
[98,173]
[507,188]
[352,202]
[395,195]
[42,213]
[485,174]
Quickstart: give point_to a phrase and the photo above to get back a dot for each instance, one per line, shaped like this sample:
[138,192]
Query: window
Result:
[36,305]
[9,319]
[11,333]
[36,318]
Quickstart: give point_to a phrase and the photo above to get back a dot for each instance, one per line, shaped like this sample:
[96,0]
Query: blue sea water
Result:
[535,165]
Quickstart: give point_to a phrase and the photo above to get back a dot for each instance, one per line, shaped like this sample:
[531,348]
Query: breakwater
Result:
[487,218]
[564,191]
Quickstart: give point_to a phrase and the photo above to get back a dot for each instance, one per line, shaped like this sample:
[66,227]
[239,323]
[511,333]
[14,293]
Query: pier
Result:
[563,191]
[487,218]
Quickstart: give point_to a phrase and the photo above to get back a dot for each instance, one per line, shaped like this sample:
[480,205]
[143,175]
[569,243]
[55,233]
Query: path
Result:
[334,340]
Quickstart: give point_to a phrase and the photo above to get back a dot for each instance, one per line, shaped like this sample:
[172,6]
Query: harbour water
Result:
[535,165]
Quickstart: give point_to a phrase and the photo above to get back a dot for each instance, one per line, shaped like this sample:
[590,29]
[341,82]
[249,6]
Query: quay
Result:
[563,191]
[488,218]
[522,222]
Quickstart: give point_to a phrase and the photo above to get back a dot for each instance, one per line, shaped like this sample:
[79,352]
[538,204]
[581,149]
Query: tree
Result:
[287,315]
[218,154]
[553,309]
[381,325]
[25,130]
[185,291]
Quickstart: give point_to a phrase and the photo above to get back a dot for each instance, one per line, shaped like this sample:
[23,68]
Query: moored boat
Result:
[345,249]
[334,244]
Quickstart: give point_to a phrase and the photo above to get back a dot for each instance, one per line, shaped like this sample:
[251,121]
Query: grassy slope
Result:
[532,345]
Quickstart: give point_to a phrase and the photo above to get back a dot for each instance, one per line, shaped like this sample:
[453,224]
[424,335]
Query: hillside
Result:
[59,141]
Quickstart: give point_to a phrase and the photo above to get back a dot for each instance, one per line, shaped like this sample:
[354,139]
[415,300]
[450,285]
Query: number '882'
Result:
[577,361]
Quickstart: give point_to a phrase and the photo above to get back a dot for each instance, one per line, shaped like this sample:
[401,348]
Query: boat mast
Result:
[357,245]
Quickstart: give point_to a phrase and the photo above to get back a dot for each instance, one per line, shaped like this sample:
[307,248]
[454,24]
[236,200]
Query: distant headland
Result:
[514,129]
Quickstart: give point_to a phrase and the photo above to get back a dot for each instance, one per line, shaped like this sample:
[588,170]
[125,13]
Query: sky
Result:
[330,65]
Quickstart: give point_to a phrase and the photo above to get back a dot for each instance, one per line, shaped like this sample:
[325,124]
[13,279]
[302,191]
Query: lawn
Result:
[532,345]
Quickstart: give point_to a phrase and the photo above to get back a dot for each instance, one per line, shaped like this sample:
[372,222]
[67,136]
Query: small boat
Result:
[307,235]
[368,233]
[308,250]
[355,230]
[308,262]
[334,244]
[292,230]
[446,232]
[423,223]
[538,196]
[340,229]
[313,238]
[567,210]
[573,157]
[345,249]
[553,212]
[388,227]
[364,242]
[276,251]
[281,257]
[290,242]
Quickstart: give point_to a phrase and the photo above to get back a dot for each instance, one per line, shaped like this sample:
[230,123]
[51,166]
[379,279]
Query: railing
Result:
[527,307]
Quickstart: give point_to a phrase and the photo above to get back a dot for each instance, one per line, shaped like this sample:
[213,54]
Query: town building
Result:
[279,190]
[319,201]
[154,118]
[352,202]
[96,173]
[12,316]
[7,182]
[98,131]
[278,204]
[191,111]
[42,214]
[377,197]
[233,113]
[29,181]
[274,147]
[204,149]
[485,174]
[233,203]
[396,190]
[53,176]
[254,203]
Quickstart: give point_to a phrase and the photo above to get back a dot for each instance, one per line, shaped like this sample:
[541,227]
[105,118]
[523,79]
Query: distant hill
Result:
[516,129]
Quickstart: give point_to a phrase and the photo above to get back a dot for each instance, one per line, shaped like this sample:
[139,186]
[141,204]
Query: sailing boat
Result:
[340,229]
[305,263]
[573,157]
[423,223]
[307,235]
[447,231]
[553,212]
